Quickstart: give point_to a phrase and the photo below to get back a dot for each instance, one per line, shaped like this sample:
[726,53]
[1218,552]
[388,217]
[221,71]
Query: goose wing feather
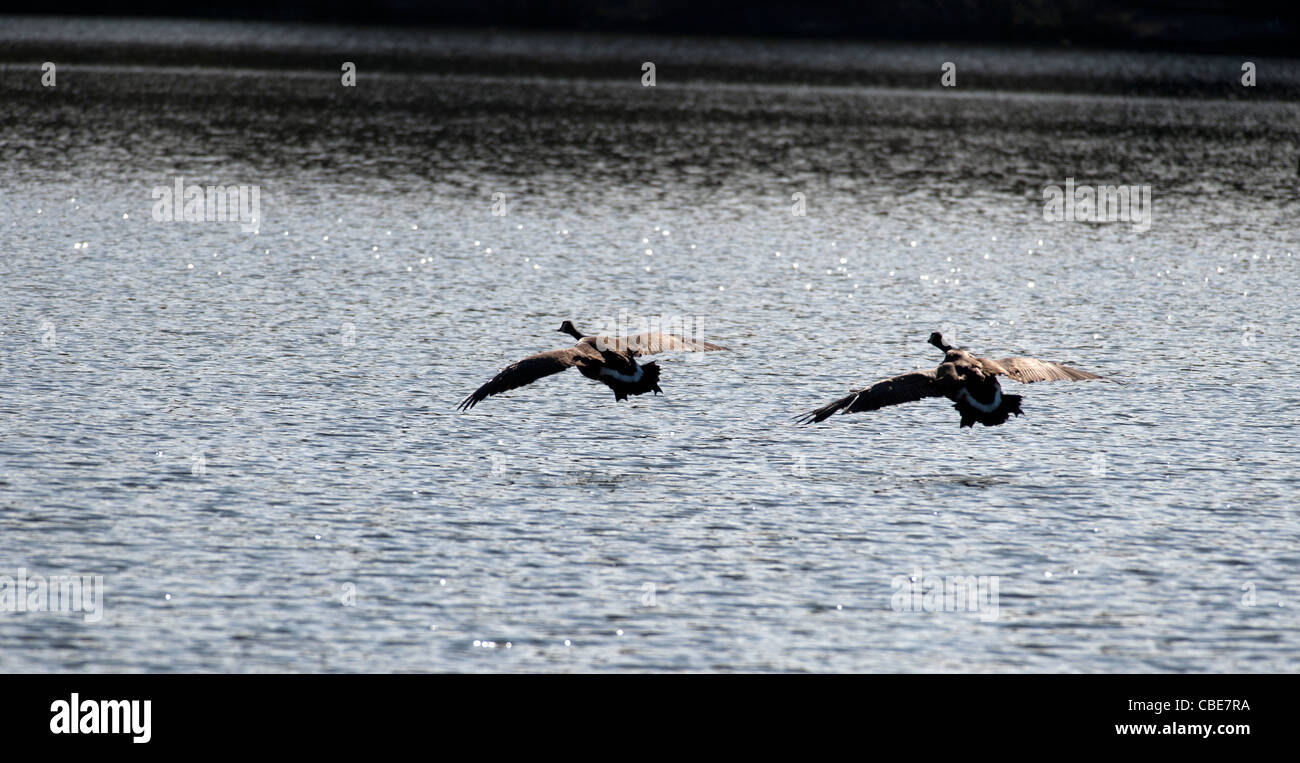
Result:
[1030,370]
[526,371]
[904,388]
[656,342]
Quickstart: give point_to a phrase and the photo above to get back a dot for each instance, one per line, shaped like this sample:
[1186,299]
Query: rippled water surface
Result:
[253,437]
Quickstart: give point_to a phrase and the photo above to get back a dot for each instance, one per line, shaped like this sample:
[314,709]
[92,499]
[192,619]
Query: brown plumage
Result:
[970,382]
[608,360]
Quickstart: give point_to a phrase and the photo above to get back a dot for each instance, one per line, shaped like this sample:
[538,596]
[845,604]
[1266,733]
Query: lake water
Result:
[253,438]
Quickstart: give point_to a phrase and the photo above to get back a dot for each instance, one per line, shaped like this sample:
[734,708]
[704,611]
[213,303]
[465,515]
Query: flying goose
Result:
[970,382]
[609,360]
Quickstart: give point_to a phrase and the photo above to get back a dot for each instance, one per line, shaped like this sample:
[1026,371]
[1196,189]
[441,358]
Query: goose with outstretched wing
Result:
[970,382]
[608,360]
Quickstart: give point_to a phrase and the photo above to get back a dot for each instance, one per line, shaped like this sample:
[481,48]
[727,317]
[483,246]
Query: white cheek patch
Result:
[965,396]
[626,378]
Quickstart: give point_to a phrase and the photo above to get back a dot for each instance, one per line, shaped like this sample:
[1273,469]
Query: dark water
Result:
[252,437]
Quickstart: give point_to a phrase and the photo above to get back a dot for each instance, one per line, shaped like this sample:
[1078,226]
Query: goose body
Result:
[970,382]
[608,360]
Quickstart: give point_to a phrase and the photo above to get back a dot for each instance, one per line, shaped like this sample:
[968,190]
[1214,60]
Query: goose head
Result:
[936,339]
[568,328]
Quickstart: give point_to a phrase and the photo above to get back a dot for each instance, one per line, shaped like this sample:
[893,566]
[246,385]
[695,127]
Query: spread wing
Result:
[1029,370]
[526,371]
[904,388]
[654,343]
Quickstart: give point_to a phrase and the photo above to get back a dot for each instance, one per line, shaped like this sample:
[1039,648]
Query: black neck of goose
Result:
[937,340]
[569,329]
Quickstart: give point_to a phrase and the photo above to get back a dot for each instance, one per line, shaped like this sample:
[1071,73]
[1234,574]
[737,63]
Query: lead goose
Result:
[970,382]
[610,361]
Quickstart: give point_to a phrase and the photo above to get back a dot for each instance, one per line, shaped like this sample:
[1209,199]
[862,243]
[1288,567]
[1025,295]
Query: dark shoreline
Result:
[1200,26]
[155,43]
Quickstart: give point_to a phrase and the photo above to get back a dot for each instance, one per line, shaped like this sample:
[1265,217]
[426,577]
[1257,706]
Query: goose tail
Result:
[651,378]
[649,382]
[971,414]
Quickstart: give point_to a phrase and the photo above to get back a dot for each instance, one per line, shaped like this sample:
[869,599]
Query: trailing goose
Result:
[970,382]
[608,360]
